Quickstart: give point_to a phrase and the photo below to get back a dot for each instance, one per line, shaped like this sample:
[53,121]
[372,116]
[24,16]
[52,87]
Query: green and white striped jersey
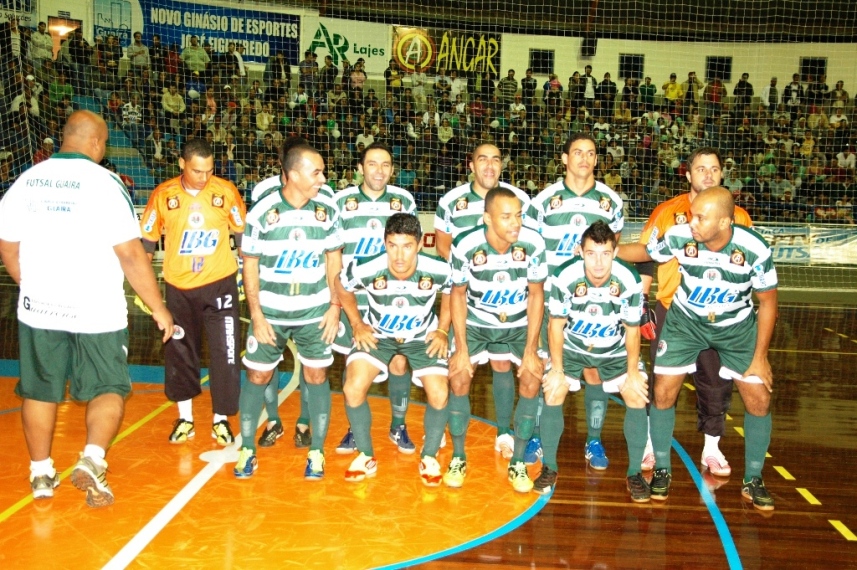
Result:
[596,315]
[717,286]
[290,244]
[461,209]
[399,308]
[561,217]
[497,282]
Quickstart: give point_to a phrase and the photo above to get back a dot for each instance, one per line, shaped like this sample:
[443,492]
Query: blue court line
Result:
[10,410]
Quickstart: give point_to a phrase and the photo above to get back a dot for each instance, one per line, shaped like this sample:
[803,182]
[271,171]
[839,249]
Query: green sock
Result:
[636,434]
[757,438]
[319,413]
[525,418]
[400,395]
[459,419]
[661,424]
[303,419]
[434,422]
[360,418]
[250,408]
[553,423]
[272,394]
[595,400]
[537,429]
[504,400]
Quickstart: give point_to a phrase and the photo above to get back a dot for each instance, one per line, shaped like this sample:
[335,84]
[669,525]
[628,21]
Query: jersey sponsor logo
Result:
[236,216]
[580,290]
[173,203]
[272,216]
[519,253]
[321,213]
[396,204]
[379,283]
[712,275]
[614,288]
[662,347]
[397,322]
[501,297]
[199,242]
[737,257]
[150,222]
[229,330]
[178,332]
[587,329]
[480,258]
[292,259]
[555,202]
[461,204]
[351,204]
[704,297]
[605,204]
[196,220]
[368,246]
[691,249]
[426,282]
[217,200]
[680,218]
[760,274]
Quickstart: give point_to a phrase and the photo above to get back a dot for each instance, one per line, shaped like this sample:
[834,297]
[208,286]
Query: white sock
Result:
[218,418]
[94,452]
[186,410]
[43,467]
[712,443]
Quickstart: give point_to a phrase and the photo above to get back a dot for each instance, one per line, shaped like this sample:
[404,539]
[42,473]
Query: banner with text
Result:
[433,49]
[22,10]
[346,39]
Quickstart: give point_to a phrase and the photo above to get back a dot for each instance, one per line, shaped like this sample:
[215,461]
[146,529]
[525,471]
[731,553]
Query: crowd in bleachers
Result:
[788,149]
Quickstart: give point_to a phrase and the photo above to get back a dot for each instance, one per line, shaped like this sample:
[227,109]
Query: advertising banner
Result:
[432,49]
[346,39]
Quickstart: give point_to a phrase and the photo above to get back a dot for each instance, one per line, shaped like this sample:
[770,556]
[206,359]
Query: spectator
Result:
[506,89]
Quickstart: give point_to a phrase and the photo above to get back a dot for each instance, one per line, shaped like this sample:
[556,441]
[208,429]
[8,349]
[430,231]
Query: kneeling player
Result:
[595,307]
[401,286]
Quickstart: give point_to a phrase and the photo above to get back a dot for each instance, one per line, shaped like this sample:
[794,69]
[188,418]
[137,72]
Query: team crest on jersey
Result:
[662,347]
[272,217]
[681,217]
[217,200]
[461,203]
[614,288]
[501,277]
[519,253]
[691,249]
[380,283]
[178,332]
[195,220]
[593,310]
[480,258]
[426,282]
[252,344]
[373,224]
[396,204]
[321,213]
[580,290]
[578,220]
[400,302]
[340,332]
[712,274]
[605,204]
[173,203]
[737,257]
[351,204]
[556,202]
[297,234]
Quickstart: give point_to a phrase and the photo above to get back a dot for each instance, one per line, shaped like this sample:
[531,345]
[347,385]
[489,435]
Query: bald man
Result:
[73,323]
[722,265]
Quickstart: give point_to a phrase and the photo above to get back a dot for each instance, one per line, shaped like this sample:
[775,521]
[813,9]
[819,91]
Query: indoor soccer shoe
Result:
[546,481]
[754,490]
[716,463]
[533,452]
[505,445]
[639,489]
[454,476]
[660,486]
[595,455]
[271,434]
[90,475]
[222,433]
[182,431]
[363,467]
[399,436]
[314,466]
[430,471]
[519,478]
[247,463]
[347,444]
[43,485]
[302,438]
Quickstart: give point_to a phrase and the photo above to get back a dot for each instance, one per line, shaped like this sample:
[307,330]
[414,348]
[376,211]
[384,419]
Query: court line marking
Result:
[810,498]
[784,472]
[843,530]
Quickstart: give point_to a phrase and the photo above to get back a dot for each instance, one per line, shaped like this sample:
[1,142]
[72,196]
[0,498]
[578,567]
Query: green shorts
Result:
[344,341]
[682,339]
[486,344]
[613,370]
[94,363]
[312,351]
[415,351]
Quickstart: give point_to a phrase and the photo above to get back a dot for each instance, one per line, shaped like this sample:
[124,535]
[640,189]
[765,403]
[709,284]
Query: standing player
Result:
[713,394]
[73,323]
[364,210]
[498,274]
[721,266]
[595,307]
[459,210]
[401,286]
[563,211]
[196,212]
[292,254]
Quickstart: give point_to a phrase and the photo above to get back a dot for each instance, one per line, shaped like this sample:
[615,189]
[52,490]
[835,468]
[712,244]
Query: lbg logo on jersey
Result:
[292,259]
[199,242]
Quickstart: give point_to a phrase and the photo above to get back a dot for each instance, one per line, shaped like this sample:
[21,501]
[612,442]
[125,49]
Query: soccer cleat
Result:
[314,466]
[222,433]
[247,463]
[399,436]
[302,438]
[363,467]
[505,445]
[639,489]
[660,486]
[595,455]
[347,445]
[430,471]
[43,485]
[754,490]
[90,475]
[271,434]
[533,452]
[716,463]
[546,481]
[182,431]
[454,476]
[519,478]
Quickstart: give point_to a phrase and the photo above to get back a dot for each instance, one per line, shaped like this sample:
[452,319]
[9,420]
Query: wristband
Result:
[446,334]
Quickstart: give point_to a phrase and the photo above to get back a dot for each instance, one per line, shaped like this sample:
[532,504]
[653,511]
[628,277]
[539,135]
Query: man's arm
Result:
[460,361]
[535,313]
[10,255]
[443,243]
[330,322]
[635,381]
[138,270]
[262,329]
[556,344]
[634,253]
[766,320]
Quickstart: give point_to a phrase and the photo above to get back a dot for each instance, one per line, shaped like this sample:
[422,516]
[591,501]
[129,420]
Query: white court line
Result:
[216,460]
